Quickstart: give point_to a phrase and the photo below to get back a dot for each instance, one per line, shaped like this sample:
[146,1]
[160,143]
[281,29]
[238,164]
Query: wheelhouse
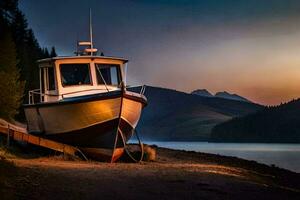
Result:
[67,77]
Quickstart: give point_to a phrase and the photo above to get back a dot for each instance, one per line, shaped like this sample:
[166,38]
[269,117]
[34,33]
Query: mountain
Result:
[280,124]
[172,115]
[202,92]
[227,95]
[224,95]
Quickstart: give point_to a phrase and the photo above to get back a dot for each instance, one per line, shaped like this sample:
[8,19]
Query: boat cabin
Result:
[67,77]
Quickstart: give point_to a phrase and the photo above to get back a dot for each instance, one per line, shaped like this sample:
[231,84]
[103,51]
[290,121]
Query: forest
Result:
[277,124]
[18,55]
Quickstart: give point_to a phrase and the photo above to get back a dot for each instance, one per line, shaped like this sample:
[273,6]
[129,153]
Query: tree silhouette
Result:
[46,53]
[10,85]
[27,48]
[53,52]
[272,124]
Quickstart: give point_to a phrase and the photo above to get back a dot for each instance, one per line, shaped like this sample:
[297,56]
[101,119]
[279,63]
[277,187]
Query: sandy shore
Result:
[175,175]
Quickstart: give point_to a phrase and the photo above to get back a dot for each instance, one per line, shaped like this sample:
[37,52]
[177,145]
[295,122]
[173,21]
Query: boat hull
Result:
[89,123]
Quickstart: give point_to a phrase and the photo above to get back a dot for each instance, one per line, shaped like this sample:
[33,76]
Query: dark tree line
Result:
[272,124]
[19,52]
[11,87]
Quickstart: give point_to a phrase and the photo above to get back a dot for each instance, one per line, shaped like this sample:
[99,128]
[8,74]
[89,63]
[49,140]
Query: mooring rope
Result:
[83,156]
[126,149]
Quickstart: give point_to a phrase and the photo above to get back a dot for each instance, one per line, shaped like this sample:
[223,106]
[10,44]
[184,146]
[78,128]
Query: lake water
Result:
[282,155]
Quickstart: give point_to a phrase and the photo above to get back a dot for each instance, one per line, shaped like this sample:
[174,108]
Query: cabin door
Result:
[49,84]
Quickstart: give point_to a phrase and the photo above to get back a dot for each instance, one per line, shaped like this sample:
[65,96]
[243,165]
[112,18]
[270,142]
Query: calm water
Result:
[282,155]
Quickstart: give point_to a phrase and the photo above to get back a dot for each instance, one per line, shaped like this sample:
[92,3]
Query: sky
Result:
[251,48]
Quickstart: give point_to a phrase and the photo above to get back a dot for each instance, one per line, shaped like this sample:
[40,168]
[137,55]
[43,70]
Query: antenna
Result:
[91,31]
[90,47]
[77,46]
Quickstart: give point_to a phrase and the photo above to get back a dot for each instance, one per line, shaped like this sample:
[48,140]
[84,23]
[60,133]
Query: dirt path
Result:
[176,175]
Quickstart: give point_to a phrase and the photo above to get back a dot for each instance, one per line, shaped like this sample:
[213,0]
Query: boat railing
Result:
[34,94]
[70,93]
[142,90]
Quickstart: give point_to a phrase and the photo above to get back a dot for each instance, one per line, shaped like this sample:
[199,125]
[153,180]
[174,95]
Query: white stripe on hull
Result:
[63,118]
[69,117]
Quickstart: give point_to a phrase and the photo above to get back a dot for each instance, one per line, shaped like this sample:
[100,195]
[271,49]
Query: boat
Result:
[83,101]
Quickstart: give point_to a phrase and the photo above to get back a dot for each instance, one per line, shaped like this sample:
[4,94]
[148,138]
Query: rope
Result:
[81,154]
[126,149]
[102,78]
[119,121]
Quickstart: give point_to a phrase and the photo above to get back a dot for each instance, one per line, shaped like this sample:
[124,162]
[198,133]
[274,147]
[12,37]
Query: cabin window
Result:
[108,74]
[75,74]
[51,79]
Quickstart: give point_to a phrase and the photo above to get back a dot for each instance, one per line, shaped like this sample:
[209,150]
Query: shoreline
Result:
[176,174]
[281,155]
[218,142]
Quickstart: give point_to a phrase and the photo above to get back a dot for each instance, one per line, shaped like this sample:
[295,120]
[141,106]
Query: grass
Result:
[18,150]
[6,153]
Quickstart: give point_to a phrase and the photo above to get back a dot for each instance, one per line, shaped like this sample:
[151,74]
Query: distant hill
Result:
[279,124]
[227,95]
[202,92]
[224,95]
[173,115]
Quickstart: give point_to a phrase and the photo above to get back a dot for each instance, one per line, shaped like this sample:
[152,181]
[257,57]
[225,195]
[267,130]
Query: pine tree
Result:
[34,52]
[46,53]
[27,48]
[10,85]
[53,52]
[7,7]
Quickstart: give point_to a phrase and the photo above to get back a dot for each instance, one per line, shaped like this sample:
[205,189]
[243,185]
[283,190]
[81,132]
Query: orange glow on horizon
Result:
[264,69]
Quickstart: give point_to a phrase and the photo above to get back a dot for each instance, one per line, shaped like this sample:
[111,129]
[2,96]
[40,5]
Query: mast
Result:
[91,31]
[90,46]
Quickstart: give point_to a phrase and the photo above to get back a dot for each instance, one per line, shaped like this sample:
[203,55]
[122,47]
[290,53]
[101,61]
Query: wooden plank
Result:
[52,145]
[33,140]
[17,134]
[25,137]
[3,130]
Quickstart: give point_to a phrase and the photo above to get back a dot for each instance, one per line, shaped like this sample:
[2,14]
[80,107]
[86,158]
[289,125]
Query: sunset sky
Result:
[249,47]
